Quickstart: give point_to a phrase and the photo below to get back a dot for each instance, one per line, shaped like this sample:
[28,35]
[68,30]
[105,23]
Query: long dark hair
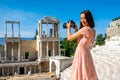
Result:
[89,18]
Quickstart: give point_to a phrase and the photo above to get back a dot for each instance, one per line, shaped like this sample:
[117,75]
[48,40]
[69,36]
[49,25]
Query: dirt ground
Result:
[38,76]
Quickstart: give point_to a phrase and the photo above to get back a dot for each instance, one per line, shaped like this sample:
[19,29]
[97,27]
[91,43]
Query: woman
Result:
[82,66]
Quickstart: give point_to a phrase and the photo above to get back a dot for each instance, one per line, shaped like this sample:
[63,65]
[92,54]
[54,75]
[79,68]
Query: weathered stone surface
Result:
[107,63]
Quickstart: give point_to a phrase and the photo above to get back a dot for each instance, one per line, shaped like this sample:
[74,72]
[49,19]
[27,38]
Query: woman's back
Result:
[88,37]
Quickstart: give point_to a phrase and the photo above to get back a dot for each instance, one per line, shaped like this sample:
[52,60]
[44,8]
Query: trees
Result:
[116,18]
[70,47]
[100,39]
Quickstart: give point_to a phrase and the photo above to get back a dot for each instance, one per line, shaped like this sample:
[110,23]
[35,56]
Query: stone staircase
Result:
[107,63]
[65,75]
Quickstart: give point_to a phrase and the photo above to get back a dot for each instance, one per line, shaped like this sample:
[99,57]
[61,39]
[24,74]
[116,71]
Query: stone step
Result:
[107,65]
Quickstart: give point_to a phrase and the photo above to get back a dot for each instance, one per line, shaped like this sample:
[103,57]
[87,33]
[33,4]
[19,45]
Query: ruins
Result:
[19,57]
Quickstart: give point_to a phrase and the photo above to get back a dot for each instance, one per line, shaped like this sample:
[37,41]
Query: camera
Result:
[71,25]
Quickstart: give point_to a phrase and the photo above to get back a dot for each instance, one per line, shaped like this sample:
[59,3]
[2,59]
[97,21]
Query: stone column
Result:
[50,63]
[59,48]
[3,71]
[34,68]
[58,68]
[19,41]
[40,49]
[40,29]
[5,33]
[25,70]
[53,49]
[53,34]
[12,70]
[39,66]
[5,49]
[58,30]
[18,70]
[18,51]
[47,49]
[12,30]
[19,29]
[0,57]
[47,30]
[30,69]
[8,71]
[12,51]
[12,43]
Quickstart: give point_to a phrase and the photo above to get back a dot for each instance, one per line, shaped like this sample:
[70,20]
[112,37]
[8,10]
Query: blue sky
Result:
[28,12]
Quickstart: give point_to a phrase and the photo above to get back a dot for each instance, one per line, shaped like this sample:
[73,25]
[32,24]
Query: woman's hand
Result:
[68,25]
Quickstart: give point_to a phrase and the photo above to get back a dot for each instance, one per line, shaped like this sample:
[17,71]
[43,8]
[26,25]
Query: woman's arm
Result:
[74,36]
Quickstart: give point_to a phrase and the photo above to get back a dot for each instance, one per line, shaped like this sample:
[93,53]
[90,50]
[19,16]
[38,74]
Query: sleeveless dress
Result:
[82,65]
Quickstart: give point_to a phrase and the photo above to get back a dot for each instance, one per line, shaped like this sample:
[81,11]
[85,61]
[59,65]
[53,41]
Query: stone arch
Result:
[56,64]
[53,66]
[60,62]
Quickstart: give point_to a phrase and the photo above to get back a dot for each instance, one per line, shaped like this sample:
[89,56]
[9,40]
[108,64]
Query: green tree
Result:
[116,18]
[70,47]
[100,39]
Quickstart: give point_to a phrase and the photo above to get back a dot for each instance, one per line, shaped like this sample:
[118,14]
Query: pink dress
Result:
[82,66]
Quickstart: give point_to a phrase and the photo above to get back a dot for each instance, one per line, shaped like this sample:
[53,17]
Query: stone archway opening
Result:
[53,67]
[59,63]
[21,70]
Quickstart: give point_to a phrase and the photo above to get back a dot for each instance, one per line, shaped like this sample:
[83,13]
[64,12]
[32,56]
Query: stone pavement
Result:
[39,76]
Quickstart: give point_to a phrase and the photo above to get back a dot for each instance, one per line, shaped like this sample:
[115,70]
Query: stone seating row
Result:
[107,69]
[107,63]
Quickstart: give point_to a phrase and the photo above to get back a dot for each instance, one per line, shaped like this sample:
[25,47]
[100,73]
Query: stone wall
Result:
[28,46]
[113,29]
[50,48]
[9,50]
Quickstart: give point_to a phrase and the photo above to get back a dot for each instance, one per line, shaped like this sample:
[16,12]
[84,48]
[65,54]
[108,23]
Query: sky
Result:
[29,12]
